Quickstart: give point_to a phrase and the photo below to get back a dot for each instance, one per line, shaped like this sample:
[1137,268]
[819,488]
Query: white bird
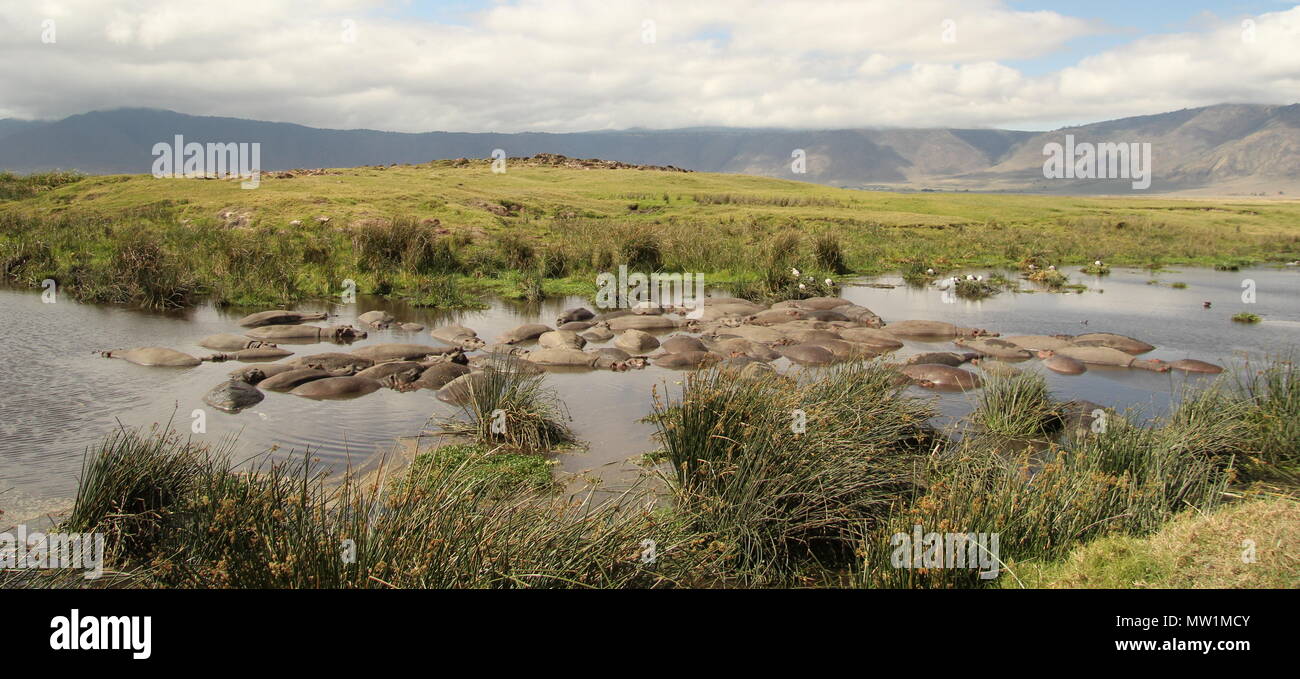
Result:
[979,278]
[1052,268]
[794,272]
[829,282]
[1032,267]
[929,272]
[1097,263]
[970,277]
[802,286]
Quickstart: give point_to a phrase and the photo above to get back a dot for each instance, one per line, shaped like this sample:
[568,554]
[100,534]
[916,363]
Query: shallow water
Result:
[61,399]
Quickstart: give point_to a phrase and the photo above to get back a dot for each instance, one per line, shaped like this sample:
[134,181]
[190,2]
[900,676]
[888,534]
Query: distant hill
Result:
[1227,148]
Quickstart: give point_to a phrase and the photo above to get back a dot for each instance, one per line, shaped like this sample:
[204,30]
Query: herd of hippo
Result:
[732,332]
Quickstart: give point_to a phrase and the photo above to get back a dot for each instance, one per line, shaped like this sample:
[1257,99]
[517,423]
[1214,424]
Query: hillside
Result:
[439,232]
[1229,149]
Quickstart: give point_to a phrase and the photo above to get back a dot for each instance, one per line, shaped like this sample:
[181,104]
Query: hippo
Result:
[995,367]
[558,339]
[648,309]
[1064,365]
[611,315]
[337,387]
[292,379]
[411,327]
[1125,344]
[331,361]
[924,329]
[756,333]
[507,363]
[383,370]
[642,322]
[459,390]
[739,346]
[380,353]
[872,336]
[263,353]
[229,342]
[1194,366]
[233,396]
[805,335]
[679,343]
[617,360]
[575,326]
[438,376]
[376,319]
[934,376]
[1106,356]
[524,333]
[1039,342]
[254,374]
[739,363]
[687,359]
[948,358]
[458,335]
[825,316]
[843,350]
[994,348]
[278,317]
[598,333]
[575,314]
[153,356]
[776,316]
[636,341]
[807,354]
[568,358]
[315,333]
[505,349]
[860,314]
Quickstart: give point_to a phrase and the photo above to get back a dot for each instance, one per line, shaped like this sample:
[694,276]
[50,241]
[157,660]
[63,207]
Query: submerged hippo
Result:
[821,303]
[460,390]
[506,363]
[799,335]
[950,358]
[154,356]
[575,314]
[337,333]
[411,327]
[807,354]
[860,314]
[636,341]
[233,396]
[597,333]
[524,333]
[934,376]
[559,339]
[458,335]
[995,367]
[380,353]
[563,358]
[229,342]
[402,369]
[1194,366]
[872,336]
[739,346]
[292,379]
[439,375]
[575,326]
[679,343]
[1039,342]
[1064,364]
[376,319]
[776,316]
[687,359]
[843,350]
[337,387]
[332,361]
[755,333]
[1106,356]
[254,374]
[934,329]
[1125,344]
[265,353]
[278,317]
[995,348]
[642,322]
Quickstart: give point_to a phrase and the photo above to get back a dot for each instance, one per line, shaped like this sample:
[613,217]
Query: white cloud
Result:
[564,65]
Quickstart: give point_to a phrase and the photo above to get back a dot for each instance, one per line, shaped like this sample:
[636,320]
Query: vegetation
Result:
[772,481]
[1246,317]
[542,230]
[1016,406]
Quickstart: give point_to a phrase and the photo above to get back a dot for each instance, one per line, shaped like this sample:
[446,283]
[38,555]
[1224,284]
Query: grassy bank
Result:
[771,482]
[442,233]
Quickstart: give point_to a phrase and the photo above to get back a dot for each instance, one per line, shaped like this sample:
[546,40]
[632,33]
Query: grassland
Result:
[444,232]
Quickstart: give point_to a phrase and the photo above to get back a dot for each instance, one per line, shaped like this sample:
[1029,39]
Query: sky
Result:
[578,65]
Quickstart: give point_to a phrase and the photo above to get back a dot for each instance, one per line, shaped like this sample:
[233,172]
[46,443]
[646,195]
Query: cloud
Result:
[566,65]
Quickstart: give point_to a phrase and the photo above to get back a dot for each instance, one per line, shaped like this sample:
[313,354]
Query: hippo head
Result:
[472,343]
[1046,353]
[252,375]
[635,363]
[346,333]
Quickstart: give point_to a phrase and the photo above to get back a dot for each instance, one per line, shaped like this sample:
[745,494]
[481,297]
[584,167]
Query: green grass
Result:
[1246,317]
[512,470]
[1016,406]
[544,228]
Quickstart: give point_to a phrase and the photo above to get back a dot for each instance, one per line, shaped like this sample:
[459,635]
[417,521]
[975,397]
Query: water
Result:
[60,398]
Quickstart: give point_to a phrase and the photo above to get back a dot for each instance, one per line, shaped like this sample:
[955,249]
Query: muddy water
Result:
[59,398]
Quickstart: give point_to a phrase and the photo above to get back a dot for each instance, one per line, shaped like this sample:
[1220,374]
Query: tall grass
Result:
[777,501]
[514,408]
[1016,406]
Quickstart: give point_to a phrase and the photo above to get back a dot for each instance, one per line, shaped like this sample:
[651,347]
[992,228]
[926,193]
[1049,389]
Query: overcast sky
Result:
[569,65]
